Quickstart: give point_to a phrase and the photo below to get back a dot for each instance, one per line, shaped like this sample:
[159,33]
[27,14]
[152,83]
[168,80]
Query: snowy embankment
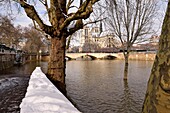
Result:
[43,97]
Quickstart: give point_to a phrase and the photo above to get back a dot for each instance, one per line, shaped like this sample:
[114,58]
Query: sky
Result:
[23,20]
[161,14]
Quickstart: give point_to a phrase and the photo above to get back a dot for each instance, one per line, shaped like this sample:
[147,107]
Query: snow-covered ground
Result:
[43,97]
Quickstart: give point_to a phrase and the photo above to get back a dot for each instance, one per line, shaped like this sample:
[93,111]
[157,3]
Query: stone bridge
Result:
[94,55]
[133,56]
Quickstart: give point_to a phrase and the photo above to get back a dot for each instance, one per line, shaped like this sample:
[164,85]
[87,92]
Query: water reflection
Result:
[127,100]
[26,69]
[126,97]
[13,85]
[98,86]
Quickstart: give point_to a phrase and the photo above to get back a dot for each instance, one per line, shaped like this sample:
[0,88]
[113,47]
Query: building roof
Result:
[106,33]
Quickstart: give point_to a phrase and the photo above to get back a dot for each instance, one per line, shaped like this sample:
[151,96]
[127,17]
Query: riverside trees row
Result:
[26,38]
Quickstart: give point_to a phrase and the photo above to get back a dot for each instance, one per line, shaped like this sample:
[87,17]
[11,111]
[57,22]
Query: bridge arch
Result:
[86,57]
[109,57]
[93,55]
[68,58]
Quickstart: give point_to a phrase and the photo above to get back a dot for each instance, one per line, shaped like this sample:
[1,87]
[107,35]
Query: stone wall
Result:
[29,58]
[138,56]
[6,60]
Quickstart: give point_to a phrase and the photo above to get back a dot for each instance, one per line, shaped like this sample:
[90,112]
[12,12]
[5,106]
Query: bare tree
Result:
[158,90]
[58,27]
[130,20]
[34,40]
[17,37]
[10,35]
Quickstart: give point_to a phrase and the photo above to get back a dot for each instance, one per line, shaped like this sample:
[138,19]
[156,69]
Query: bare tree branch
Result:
[83,12]
[31,12]
[69,5]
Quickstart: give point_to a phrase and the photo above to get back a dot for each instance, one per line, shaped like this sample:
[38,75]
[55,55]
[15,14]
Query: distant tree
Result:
[59,27]
[130,20]
[17,37]
[157,98]
[10,35]
[33,39]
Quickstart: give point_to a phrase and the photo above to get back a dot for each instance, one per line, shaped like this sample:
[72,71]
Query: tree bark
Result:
[126,56]
[57,64]
[157,98]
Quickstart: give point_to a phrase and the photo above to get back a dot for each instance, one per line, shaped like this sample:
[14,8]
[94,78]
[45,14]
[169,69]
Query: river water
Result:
[13,85]
[94,86]
[98,86]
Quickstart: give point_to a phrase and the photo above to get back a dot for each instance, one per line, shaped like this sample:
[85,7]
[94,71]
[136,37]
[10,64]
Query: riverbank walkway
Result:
[43,97]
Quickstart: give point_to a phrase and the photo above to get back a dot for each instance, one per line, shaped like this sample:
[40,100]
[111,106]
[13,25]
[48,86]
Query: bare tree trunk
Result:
[126,56]
[57,64]
[157,99]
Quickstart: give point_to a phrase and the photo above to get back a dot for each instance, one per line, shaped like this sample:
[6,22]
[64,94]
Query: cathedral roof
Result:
[106,33]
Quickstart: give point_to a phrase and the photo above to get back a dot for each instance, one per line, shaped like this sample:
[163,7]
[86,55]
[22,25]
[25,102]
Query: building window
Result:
[86,32]
[96,30]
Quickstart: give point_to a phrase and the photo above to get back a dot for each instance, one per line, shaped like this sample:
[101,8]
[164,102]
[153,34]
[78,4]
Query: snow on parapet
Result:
[43,97]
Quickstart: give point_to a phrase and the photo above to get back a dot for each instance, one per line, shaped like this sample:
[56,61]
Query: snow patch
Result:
[9,82]
[43,97]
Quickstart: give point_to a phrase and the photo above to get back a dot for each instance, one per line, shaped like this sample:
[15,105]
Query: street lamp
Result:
[40,54]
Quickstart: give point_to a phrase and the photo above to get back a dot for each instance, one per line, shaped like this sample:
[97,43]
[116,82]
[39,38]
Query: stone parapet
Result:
[138,56]
[43,97]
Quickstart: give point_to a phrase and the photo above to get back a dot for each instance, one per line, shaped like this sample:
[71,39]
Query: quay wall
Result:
[32,57]
[6,60]
[138,56]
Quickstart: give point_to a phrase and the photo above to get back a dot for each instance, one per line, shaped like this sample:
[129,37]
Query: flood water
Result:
[94,86]
[98,86]
[13,85]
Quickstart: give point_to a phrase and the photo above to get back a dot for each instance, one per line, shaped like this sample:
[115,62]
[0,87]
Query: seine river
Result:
[94,86]
[98,86]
